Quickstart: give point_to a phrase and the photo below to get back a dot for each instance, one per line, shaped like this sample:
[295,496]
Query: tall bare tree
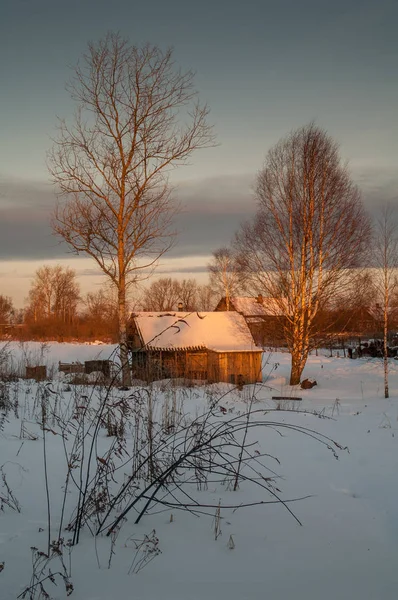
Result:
[166,294]
[207,299]
[224,277]
[54,294]
[386,257]
[189,291]
[138,116]
[101,304]
[66,293]
[100,313]
[6,309]
[162,294]
[308,236]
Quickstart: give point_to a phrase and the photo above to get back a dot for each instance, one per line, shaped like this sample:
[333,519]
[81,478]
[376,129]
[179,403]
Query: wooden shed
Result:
[207,346]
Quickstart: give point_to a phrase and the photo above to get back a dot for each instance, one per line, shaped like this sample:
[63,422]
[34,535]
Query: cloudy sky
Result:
[263,66]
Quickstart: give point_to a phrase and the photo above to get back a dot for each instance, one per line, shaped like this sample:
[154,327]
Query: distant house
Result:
[363,321]
[264,317]
[206,346]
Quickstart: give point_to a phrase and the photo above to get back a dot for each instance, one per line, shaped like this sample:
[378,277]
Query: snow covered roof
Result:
[219,331]
[257,307]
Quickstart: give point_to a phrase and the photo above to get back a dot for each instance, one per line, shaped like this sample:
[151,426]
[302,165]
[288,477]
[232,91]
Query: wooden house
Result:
[207,346]
[264,317]
[362,322]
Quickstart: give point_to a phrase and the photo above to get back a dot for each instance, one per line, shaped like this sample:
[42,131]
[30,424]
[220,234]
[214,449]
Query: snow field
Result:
[346,547]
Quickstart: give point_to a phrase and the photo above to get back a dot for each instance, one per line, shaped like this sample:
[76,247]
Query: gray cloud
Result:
[25,233]
[216,194]
[162,271]
[379,185]
[211,212]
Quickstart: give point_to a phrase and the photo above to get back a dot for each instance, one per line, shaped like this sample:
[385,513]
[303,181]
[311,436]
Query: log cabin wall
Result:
[234,367]
[164,364]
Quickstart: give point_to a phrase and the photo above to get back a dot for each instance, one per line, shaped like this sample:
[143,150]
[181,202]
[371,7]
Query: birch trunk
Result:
[385,335]
[296,369]
[124,355]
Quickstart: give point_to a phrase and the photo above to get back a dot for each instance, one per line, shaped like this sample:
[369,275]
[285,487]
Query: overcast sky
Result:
[264,67]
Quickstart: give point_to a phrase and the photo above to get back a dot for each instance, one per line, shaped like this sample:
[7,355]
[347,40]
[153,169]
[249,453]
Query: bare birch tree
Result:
[189,291]
[167,293]
[137,117]
[224,278]
[207,299]
[101,304]
[162,294]
[54,294]
[308,236]
[6,309]
[386,256]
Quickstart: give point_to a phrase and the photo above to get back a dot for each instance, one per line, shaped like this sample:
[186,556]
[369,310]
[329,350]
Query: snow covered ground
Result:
[346,546]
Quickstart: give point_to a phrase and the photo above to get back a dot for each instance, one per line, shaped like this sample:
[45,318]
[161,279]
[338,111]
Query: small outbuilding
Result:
[209,346]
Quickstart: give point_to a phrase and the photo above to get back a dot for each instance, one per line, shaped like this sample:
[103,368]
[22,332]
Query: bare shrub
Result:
[146,549]
[43,573]
[7,496]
